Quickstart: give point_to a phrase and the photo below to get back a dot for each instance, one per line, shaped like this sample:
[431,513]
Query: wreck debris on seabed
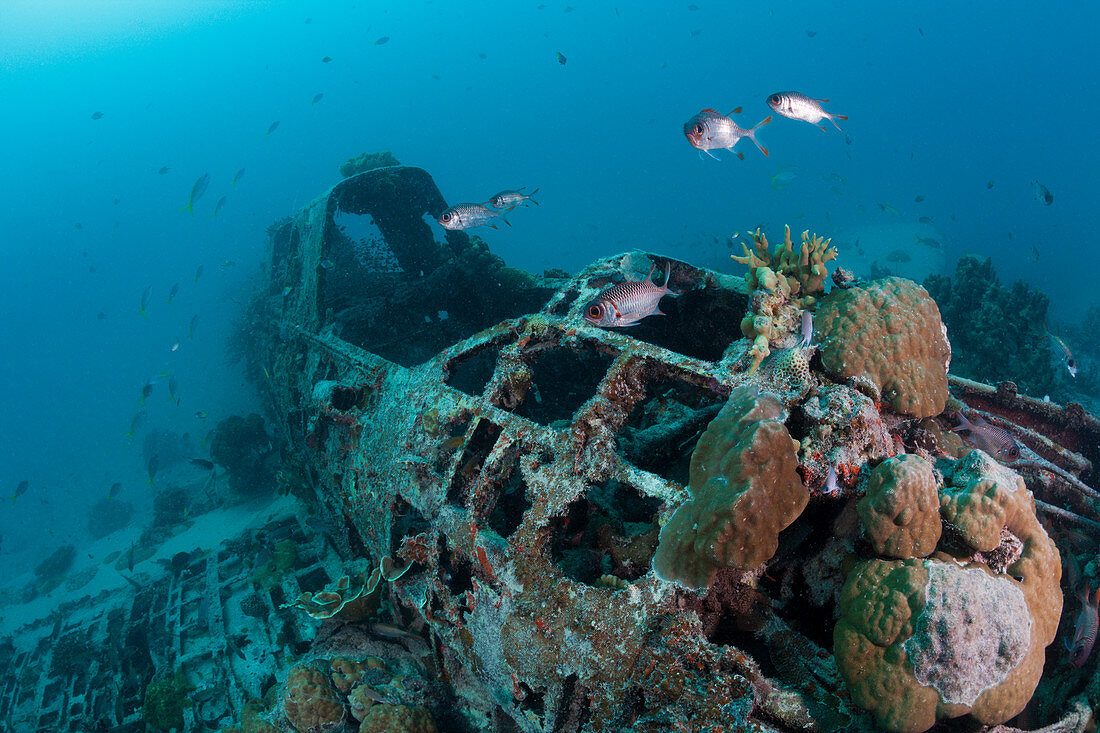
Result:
[710,521]
[630,529]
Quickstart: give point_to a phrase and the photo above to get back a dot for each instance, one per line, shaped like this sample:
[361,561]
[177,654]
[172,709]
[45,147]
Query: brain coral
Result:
[890,332]
[921,640]
[311,703]
[744,490]
[900,511]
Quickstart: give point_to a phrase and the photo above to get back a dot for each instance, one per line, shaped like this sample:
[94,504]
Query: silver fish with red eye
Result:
[512,199]
[466,216]
[627,303]
[994,440]
[711,130]
[796,106]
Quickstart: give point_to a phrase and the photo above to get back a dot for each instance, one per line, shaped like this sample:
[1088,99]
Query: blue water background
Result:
[1001,92]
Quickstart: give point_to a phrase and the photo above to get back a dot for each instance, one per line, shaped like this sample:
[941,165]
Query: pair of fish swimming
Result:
[710,130]
[466,216]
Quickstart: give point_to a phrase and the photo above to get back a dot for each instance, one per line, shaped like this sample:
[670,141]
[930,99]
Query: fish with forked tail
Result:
[994,440]
[796,106]
[627,303]
[512,199]
[467,216]
[711,130]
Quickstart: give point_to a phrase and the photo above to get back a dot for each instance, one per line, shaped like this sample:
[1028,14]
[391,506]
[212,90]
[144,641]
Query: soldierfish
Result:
[466,216]
[995,441]
[511,199]
[1084,635]
[711,130]
[796,106]
[627,303]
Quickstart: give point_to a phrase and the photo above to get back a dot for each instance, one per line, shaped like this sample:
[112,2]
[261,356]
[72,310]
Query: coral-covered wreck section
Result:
[751,514]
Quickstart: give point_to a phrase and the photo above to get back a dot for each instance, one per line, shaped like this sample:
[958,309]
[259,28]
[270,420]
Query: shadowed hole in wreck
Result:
[612,530]
[349,398]
[477,449]
[314,580]
[700,323]
[562,381]
[511,502]
[470,372]
[533,701]
[661,431]
[574,709]
[457,572]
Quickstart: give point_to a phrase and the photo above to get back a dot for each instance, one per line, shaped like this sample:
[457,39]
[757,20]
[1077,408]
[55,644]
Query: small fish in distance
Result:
[326,59]
[466,216]
[511,199]
[97,115]
[627,303]
[146,296]
[1042,193]
[272,128]
[1071,363]
[173,292]
[561,58]
[20,490]
[317,97]
[163,170]
[218,206]
[197,191]
[711,130]
[239,176]
[382,41]
[796,106]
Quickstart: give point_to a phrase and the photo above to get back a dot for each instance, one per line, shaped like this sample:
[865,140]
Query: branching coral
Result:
[784,283]
[744,488]
[804,271]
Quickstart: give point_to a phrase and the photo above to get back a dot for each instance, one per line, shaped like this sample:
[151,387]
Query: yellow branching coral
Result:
[784,283]
[805,270]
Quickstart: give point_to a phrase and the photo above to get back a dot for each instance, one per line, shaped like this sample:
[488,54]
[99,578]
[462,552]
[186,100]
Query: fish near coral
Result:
[627,303]
[711,130]
[796,106]
[467,216]
[807,329]
[995,441]
[1084,635]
